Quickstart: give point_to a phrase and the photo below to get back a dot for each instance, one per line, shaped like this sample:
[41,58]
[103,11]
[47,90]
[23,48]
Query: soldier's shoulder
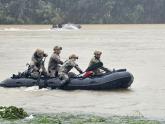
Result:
[73,63]
[54,55]
[93,59]
[70,61]
[34,57]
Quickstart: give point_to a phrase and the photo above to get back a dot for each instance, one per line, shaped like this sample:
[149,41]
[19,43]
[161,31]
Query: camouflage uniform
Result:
[37,64]
[95,60]
[66,67]
[53,66]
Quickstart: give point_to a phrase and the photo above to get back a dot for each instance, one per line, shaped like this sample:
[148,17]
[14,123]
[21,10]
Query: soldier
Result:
[66,67]
[37,64]
[53,66]
[96,59]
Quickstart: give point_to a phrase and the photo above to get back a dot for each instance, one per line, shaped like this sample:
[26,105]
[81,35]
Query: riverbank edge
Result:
[81,118]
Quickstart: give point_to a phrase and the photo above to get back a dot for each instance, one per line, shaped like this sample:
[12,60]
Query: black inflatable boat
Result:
[114,80]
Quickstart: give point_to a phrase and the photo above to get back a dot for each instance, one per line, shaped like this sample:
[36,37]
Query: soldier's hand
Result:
[80,72]
[45,55]
[61,62]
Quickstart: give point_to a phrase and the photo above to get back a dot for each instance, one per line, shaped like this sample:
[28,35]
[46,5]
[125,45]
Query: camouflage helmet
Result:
[97,52]
[73,56]
[40,53]
[57,48]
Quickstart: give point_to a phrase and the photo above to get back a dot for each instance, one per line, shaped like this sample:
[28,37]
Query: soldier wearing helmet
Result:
[96,59]
[66,67]
[55,62]
[37,67]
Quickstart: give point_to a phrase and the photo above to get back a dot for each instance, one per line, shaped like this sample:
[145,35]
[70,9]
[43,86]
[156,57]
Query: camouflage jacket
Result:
[68,65]
[94,60]
[37,63]
[54,62]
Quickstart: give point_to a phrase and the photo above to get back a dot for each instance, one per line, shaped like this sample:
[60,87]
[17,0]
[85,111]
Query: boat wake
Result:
[35,88]
[23,29]
[34,30]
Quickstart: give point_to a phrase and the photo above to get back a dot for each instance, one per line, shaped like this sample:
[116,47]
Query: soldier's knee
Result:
[35,75]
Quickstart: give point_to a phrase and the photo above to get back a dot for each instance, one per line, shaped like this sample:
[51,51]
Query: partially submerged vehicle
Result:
[66,26]
[113,80]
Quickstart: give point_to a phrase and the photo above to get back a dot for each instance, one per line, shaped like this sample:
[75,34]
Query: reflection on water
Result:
[140,49]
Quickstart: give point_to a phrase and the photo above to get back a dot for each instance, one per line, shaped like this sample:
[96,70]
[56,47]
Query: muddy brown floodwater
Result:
[138,48]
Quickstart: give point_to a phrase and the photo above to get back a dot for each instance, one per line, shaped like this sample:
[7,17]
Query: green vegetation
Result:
[65,118]
[14,115]
[12,112]
[81,11]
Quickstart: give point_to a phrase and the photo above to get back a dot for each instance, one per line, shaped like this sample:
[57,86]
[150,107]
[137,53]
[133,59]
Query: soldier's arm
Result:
[33,60]
[105,69]
[33,64]
[78,69]
[60,62]
[33,67]
[57,60]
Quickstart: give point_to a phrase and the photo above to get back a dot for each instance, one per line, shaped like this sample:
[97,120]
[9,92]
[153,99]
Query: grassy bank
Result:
[15,115]
[66,118]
